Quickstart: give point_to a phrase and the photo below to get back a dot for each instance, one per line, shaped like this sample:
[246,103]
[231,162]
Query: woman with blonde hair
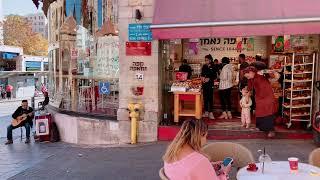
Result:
[184,160]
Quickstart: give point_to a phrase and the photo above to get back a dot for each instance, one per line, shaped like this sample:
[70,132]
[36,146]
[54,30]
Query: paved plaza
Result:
[66,161]
[133,162]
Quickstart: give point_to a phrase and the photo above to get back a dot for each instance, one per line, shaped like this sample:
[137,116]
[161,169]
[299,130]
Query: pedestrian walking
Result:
[2,92]
[43,88]
[9,89]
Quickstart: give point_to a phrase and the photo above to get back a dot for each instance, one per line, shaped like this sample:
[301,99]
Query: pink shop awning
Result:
[232,18]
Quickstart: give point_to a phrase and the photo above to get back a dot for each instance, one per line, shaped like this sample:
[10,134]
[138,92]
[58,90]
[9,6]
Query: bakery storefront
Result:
[287,43]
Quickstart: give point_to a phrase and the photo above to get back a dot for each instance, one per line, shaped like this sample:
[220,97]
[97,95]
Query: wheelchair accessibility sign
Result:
[104,88]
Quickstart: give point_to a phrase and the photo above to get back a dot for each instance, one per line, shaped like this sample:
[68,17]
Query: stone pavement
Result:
[19,156]
[65,161]
[4,122]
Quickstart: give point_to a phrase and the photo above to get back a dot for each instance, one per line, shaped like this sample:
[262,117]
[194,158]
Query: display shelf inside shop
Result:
[298,81]
[300,98]
[193,85]
[302,72]
[303,64]
[297,114]
[299,106]
[298,87]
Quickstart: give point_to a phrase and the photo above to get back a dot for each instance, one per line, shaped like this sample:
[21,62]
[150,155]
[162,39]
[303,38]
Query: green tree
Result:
[17,31]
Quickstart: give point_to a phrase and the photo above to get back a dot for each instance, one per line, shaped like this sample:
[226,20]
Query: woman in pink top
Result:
[184,160]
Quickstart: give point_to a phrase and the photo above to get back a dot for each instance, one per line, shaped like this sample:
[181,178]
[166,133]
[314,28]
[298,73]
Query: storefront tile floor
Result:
[221,129]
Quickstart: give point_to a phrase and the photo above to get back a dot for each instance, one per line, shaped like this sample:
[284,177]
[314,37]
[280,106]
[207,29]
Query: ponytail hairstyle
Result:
[190,134]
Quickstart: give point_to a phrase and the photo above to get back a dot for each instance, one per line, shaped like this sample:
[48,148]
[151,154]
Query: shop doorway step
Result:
[231,129]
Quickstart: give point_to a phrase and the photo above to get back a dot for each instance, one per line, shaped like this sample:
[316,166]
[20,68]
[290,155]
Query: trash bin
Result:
[43,126]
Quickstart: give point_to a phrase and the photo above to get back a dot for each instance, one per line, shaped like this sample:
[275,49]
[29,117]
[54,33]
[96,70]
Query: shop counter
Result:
[180,98]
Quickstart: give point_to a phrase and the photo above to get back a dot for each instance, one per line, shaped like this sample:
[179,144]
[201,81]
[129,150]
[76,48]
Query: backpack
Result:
[54,136]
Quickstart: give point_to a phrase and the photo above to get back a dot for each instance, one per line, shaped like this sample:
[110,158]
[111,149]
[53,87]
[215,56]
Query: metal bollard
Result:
[134,114]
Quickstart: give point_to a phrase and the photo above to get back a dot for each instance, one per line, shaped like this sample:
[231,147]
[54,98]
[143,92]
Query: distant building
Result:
[8,54]
[1,19]
[25,73]
[39,23]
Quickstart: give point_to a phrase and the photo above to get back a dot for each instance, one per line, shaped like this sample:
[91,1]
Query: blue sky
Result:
[20,7]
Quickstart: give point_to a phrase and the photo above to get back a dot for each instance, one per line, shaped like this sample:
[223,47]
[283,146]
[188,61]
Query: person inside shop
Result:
[217,66]
[243,81]
[23,111]
[185,67]
[242,65]
[183,158]
[265,109]
[259,64]
[225,85]
[208,75]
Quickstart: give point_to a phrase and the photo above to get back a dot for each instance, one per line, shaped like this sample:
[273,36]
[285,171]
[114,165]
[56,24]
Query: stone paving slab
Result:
[18,157]
[133,162]
[4,122]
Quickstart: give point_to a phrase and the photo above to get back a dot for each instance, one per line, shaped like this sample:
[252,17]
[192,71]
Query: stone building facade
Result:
[39,23]
[147,129]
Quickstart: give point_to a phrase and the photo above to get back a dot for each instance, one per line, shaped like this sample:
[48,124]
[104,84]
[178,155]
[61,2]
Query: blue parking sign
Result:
[104,88]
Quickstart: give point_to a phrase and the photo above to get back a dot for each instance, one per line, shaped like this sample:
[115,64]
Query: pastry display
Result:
[298,88]
[297,113]
[193,85]
[298,95]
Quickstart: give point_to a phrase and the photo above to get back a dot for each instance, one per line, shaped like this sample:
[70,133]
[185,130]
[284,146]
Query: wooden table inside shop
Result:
[187,96]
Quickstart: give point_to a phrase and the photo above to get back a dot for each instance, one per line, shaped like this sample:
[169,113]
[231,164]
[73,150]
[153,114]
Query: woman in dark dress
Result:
[265,103]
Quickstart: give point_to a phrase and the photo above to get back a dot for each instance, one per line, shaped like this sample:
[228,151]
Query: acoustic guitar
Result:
[19,119]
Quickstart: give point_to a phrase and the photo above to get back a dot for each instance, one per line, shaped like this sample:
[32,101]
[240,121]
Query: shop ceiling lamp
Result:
[235,23]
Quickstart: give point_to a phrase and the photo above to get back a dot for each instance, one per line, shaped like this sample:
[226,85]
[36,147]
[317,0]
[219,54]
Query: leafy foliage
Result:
[17,31]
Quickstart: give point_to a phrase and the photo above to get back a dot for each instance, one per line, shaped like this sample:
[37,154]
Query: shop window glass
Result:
[91,63]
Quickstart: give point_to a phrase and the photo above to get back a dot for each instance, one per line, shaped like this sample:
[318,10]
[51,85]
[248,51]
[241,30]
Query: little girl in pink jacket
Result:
[245,104]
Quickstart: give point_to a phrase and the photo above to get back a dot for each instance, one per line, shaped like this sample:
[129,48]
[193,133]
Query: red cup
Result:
[293,162]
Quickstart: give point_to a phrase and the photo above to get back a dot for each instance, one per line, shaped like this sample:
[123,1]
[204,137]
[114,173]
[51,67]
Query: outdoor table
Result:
[280,170]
